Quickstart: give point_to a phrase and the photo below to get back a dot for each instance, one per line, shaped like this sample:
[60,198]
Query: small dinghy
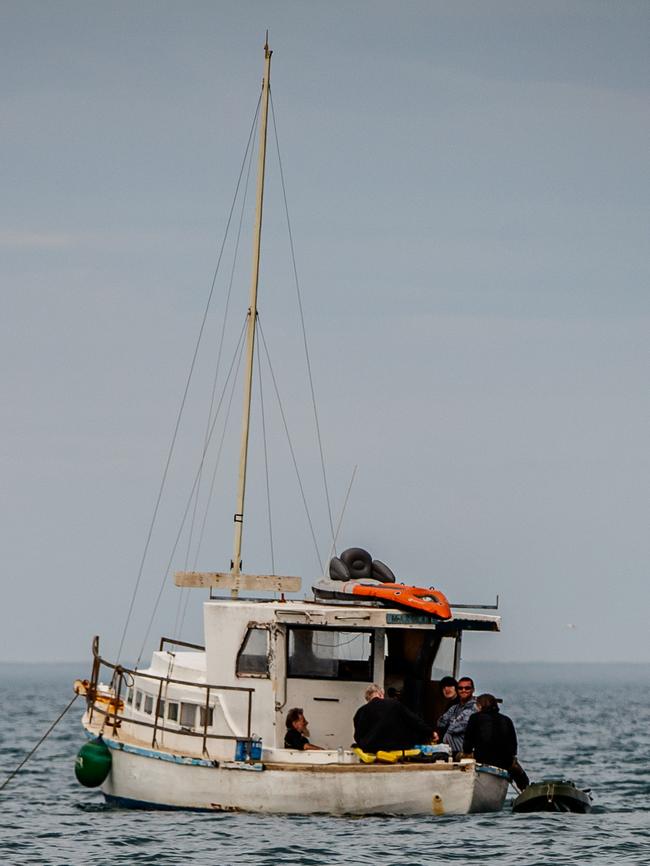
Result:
[356,577]
[553,795]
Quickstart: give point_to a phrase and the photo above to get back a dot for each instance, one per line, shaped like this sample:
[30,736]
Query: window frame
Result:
[183,722]
[264,675]
[202,714]
[371,632]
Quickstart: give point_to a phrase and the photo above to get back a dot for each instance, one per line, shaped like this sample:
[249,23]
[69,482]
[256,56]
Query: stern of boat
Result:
[490,789]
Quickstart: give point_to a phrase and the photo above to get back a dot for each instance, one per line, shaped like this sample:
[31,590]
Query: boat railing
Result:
[124,678]
[174,642]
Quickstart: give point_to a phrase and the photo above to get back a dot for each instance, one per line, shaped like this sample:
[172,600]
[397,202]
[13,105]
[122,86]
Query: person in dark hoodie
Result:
[387,724]
[491,738]
[448,693]
[453,723]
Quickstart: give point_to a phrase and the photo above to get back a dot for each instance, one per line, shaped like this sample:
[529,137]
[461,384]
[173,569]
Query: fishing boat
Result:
[202,726]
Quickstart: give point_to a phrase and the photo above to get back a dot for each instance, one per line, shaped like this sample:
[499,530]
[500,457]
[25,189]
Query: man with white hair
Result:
[385,724]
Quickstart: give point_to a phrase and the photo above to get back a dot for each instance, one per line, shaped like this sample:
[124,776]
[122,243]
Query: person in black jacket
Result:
[387,724]
[491,737]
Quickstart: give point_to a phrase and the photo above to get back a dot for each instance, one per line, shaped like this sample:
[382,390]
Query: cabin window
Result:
[329,654]
[129,696]
[202,716]
[188,715]
[443,663]
[172,711]
[138,700]
[161,709]
[148,705]
[253,657]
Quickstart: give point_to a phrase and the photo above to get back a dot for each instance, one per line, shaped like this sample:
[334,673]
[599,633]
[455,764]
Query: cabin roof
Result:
[314,613]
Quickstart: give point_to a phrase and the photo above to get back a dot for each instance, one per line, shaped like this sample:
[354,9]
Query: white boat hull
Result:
[146,778]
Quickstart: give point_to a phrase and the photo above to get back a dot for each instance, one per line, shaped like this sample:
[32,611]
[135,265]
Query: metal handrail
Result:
[161,728]
[173,642]
[136,673]
[114,717]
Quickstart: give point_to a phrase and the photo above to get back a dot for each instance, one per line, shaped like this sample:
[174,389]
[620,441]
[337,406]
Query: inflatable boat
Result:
[553,795]
[356,577]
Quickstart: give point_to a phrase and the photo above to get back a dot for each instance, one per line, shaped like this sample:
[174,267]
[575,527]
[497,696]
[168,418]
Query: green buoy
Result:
[93,763]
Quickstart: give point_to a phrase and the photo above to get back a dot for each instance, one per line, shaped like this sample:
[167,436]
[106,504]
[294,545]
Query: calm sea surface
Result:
[581,722]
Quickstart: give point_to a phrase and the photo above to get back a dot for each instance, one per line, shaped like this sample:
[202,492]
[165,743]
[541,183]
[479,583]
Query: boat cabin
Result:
[263,657]
[322,657]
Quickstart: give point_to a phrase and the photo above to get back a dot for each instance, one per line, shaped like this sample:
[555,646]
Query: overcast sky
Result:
[468,190]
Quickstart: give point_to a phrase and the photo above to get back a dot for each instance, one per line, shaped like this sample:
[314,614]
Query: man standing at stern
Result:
[491,737]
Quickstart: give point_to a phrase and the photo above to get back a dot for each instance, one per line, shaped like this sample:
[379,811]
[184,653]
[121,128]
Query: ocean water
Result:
[584,722]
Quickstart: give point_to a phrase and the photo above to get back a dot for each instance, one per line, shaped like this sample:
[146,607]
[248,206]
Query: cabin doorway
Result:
[416,660]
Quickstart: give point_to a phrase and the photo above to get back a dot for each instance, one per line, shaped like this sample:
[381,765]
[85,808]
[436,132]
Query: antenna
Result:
[338,525]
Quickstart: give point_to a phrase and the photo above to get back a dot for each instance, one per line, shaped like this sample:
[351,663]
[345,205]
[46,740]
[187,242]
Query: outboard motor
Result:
[355,563]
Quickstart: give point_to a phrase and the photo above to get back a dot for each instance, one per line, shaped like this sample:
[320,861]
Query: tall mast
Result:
[235,565]
[234,580]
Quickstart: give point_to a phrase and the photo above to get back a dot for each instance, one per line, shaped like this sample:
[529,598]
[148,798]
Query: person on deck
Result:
[449,692]
[492,738]
[385,724]
[452,723]
[297,735]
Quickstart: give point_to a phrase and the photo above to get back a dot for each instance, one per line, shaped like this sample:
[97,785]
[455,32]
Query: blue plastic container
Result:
[248,749]
[439,749]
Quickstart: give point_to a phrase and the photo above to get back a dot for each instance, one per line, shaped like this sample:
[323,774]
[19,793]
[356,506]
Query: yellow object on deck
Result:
[385,757]
[364,757]
[394,756]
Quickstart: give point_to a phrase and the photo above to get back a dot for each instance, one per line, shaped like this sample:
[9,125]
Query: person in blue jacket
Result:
[452,723]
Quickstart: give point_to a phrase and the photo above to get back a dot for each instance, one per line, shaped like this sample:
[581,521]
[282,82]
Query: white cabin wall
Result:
[225,628]
[330,705]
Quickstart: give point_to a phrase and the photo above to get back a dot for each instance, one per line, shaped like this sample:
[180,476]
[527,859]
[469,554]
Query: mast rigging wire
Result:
[186,390]
[185,591]
[302,323]
[293,455]
[338,525]
[237,356]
